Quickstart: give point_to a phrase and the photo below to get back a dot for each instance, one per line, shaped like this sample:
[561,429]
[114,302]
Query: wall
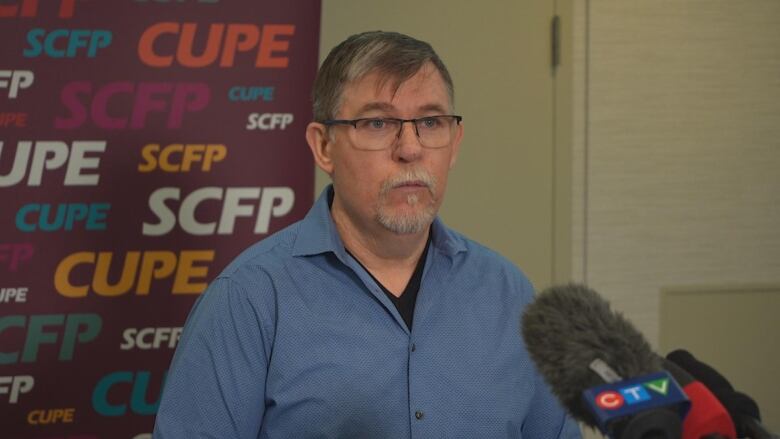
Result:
[676,155]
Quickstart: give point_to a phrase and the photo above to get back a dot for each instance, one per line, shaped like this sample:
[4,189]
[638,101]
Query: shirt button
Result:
[418,415]
[414,348]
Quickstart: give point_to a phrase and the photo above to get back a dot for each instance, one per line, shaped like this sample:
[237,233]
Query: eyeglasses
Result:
[377,133]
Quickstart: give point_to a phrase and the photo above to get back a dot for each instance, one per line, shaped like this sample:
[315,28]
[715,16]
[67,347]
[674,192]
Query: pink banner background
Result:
[70,361]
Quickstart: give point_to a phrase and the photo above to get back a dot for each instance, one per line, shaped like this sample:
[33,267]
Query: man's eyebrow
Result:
[433,108]
[389,108]
[374,106]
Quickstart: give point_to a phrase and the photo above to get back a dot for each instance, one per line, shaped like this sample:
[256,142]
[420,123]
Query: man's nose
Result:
[408,146]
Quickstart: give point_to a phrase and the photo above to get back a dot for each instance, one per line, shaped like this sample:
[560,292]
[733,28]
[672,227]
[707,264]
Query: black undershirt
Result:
[406,301]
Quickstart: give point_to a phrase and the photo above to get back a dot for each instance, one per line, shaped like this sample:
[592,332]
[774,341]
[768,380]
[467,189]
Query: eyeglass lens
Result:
[433,132]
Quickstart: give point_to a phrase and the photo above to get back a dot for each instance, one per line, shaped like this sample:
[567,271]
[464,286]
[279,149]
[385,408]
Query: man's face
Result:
[401,187]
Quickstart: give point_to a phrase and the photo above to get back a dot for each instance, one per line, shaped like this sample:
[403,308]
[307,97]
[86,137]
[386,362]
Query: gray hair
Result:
[394,56]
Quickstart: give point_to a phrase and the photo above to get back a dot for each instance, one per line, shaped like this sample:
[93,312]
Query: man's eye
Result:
[430,122]
[376,123]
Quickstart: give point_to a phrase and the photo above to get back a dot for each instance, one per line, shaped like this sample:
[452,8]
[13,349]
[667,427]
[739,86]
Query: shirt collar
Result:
[317,232]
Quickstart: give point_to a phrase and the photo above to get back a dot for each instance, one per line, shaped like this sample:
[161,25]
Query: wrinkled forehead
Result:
[377,88]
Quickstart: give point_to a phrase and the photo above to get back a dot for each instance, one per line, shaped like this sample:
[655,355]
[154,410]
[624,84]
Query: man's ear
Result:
[321,146]
[456,144]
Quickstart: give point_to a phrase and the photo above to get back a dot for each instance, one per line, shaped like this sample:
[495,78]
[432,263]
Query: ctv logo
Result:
[613,400]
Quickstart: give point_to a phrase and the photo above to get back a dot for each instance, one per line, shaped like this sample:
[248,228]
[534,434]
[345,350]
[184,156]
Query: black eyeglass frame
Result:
[354,122]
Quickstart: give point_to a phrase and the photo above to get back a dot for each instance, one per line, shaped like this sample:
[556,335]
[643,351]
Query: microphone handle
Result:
[755,429]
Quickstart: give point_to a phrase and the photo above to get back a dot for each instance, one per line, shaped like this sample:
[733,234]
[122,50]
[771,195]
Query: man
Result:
[369,318]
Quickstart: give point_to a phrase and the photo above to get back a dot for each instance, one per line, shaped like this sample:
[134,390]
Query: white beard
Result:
[412,222]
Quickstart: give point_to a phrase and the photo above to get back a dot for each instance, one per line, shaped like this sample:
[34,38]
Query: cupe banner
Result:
[143,145]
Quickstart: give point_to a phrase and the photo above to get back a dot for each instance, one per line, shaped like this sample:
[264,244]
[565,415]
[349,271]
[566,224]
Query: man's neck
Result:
[390,257]
[374,245]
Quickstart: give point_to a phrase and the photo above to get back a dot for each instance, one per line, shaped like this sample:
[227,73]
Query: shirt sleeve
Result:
[547,419]
[215,387]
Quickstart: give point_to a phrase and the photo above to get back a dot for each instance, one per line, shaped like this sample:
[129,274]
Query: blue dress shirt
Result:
[295,340]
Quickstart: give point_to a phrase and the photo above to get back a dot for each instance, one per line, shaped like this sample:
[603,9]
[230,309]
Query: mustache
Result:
[410,176]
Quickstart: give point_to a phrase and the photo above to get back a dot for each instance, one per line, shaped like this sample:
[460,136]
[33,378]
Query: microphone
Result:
[568,327]
[743,409]
[707,416]
[579,344]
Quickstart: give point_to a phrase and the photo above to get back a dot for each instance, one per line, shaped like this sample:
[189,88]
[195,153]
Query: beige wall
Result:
[741,346]
[676,159]
[501,191]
